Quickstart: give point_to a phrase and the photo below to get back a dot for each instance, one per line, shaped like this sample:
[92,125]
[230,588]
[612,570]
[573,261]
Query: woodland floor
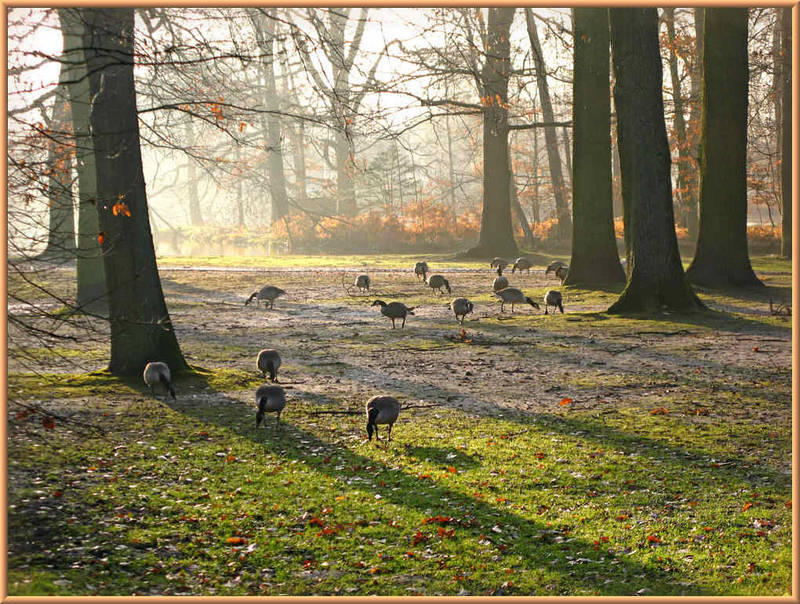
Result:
[572,454]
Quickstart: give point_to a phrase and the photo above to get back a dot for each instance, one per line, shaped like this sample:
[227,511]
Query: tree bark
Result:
[683,199]
[655,275]
[595,260]
[564,227]
[497,234]
[91,279]
[141,329]
[721,258]
[786,133]
[693,135]
[61,220]
[517,206]
[195,216]
[264,25]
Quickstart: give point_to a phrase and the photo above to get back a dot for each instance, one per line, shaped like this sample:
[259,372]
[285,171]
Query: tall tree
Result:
[141,329]
[91,279]
[721,258]
[497,235]
[684,200]
[195,215]
[564,227]
[264,25]
[595,259]
[786,132]
[693,135]
[61,224]
[655,274]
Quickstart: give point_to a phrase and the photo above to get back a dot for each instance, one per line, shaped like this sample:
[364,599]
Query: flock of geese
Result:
[380,409]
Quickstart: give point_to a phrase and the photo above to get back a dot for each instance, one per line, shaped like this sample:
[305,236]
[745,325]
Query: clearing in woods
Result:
[572,454]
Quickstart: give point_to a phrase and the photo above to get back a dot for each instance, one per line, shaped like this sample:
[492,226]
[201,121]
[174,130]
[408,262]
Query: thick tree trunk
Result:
[655,275]
[141,329]
[91,279]
[721,258]
[682,199]
[786,133]
[497,235]
[595,260]
[61,222]
[693,134]
[564,228]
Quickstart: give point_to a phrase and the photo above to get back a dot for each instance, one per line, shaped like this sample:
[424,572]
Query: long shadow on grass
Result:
[596,431]
[476,517]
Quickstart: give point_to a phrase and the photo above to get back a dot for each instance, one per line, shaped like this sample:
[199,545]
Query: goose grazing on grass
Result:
[158,373]
[268,362]
[381,410]
[461,306]
[522,264]
[269,398]
[421,270]
[394,310]
[561,272]
[362,282]
[511,295]
[268,293]
[500,282]
[553,298]
[438,282]
[500,263]
[554,266]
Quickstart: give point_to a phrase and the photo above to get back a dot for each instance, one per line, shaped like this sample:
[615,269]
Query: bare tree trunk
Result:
[693,135]
[721,258]
[786,133]
[517,207]
[683,200]
[497,234]
[195,216]
[567,153]
[61,223]
[595,259]
[655,274]
[564,228]
[91,280]
[141,329]
[264,25]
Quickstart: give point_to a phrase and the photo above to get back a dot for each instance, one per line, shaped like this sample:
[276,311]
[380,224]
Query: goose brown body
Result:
[437,282]
[394,310]
[462,307]
[268,399]
[362,282]
[500,263]
[500,282]
[156,373]
[268,362]
[268,293]
[421,270]
[512,295]
[553,298]
[384,410]
[522,264]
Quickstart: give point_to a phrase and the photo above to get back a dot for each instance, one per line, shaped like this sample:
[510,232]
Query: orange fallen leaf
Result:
[452,470]
[48,423]
[565,401]
[121,208]
[747,506]
[660,411]
[236,540]
[653,539]
[755,348]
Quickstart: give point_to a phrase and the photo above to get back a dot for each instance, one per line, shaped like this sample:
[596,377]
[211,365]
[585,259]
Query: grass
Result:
[664,472]
[192,498]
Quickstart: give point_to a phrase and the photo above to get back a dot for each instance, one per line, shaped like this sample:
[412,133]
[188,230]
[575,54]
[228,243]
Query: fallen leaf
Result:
[747,506]
[565,401]
[48,423]
[236,540]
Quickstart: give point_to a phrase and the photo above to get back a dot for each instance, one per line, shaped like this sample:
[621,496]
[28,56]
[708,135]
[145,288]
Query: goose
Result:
[269,398]
[511,295]
[499,263]
[500,282]
[158,373]
[362,282]
[522,264]
[561,272]
[381,410]
[461,306]
[268,293]
[421,270]
[553,298]
[394,310]
[553,266]
[438,282]
[268,362]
